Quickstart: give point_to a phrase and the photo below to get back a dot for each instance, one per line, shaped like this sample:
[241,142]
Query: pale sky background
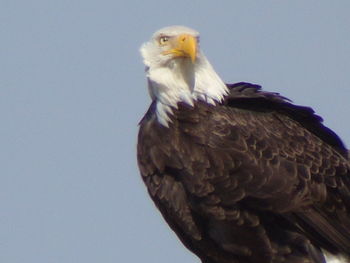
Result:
[72,90]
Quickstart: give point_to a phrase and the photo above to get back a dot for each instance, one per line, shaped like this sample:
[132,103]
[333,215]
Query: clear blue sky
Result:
[72,90]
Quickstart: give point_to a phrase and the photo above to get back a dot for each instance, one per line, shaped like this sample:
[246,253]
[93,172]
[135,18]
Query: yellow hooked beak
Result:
[183,46]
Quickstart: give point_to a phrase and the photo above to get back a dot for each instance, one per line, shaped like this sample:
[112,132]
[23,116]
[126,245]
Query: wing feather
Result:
[255,171]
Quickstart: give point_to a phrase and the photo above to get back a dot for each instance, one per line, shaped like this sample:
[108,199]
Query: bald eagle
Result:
[241,175]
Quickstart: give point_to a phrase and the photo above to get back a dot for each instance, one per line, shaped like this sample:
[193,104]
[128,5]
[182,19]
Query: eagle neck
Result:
[182,81]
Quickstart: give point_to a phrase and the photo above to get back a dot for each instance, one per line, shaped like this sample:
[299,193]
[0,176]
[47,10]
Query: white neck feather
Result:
[182,81]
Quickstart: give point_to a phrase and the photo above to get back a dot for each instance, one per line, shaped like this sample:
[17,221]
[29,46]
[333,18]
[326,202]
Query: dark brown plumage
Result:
[252,179]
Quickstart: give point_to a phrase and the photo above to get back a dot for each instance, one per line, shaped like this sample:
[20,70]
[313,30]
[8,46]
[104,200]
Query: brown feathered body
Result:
[252,179]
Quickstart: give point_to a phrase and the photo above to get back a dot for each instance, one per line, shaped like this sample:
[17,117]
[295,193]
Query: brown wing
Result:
[287,169]
[240,184]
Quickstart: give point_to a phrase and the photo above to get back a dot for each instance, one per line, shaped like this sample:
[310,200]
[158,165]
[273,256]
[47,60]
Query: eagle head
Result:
[177,71]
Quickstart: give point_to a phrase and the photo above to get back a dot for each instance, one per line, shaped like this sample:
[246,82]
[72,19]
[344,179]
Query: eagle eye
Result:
[163,40]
